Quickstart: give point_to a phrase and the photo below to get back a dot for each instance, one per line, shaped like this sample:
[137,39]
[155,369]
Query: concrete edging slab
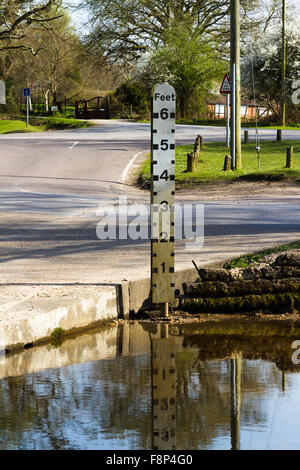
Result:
[31,312]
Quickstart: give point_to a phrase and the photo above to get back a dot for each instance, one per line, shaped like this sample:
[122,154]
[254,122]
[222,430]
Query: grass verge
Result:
[12,126]
[40,124]
[211,162]
[244,261]
[244,124]
[53,123]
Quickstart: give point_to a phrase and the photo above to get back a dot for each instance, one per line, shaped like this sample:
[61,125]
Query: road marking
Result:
[73,145]
[129,165]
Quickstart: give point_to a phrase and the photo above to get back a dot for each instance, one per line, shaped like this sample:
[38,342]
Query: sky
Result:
[80,18]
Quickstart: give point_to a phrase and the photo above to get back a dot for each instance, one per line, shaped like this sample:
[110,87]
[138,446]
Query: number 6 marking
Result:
[164,113]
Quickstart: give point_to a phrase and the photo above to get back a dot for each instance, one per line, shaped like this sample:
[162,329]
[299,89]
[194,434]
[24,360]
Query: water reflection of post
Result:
[236,369]
[163,389]
[283,381]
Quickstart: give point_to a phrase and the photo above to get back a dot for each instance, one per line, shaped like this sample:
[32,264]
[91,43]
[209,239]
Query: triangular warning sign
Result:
[226,85]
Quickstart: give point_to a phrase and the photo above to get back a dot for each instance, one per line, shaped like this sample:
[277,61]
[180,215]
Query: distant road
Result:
[89,163]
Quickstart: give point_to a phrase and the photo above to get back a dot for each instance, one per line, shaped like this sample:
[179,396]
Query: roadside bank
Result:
[36,314]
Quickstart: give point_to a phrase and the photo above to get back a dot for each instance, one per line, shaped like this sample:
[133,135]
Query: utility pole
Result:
[283,66]
[236,148]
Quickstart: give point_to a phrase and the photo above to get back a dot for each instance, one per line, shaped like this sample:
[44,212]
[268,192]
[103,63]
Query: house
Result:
[217,109]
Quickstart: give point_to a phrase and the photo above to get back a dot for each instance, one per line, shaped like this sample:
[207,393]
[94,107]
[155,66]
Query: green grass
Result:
[40,124]
[53,123]
[244,261]
[211,162]
[246,124]
[11,126]
[222,123]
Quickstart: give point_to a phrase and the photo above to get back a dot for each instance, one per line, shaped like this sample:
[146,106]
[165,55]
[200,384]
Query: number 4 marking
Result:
[164,175]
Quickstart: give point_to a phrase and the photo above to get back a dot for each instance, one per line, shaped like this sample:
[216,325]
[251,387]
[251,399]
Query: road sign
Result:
[163,193]
[54,108]
[2,92]
[226,85]
[26,91]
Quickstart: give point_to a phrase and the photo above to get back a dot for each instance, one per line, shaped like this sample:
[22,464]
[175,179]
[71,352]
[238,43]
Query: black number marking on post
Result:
[164,175]
[164,144]
[164,114]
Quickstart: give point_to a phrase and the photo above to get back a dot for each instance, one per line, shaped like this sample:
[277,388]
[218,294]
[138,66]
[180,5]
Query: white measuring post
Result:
[226,90]
[163,195]
[2,92]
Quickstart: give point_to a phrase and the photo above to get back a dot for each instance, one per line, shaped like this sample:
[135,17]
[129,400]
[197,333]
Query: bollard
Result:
[189,165]
[279,135]
[227,163]
[196,148]
[289,157]
[200,137]
[246,137]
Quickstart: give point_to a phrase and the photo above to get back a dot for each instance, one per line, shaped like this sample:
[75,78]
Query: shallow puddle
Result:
[156,386]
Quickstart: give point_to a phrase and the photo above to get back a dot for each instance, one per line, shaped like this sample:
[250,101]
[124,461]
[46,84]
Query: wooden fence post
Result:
[279,135]
[289,157]
[227,163]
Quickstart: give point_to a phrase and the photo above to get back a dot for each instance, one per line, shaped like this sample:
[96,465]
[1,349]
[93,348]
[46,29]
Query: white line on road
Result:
[73,145]
[129,165]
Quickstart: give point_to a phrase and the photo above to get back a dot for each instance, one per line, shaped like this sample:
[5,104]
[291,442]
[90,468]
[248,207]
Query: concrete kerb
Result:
[31,312]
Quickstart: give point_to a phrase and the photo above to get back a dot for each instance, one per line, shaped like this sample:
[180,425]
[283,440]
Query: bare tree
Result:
[16,18]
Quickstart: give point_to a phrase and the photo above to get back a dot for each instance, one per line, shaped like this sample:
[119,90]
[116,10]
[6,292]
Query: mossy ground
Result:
[245,261]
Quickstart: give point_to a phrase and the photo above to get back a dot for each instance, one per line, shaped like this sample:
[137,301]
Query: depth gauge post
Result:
[163,196]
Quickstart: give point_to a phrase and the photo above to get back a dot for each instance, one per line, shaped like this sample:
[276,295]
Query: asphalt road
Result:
[52,185]
[86,163]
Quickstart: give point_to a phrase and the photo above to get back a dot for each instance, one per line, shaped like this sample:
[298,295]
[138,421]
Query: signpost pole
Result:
[163,196]
[233,117]
[226,90]
[227,122]
[27,110]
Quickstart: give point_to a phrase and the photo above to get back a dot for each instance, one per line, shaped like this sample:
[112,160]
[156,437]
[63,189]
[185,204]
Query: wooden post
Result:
[289,157]
[279,135]
[200,137]
[246,137]
[227,163]
[190,163]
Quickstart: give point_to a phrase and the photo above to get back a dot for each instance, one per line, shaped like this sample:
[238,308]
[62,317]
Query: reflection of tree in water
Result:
[26,412]
[69,407]
[203,398]
[60,408]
